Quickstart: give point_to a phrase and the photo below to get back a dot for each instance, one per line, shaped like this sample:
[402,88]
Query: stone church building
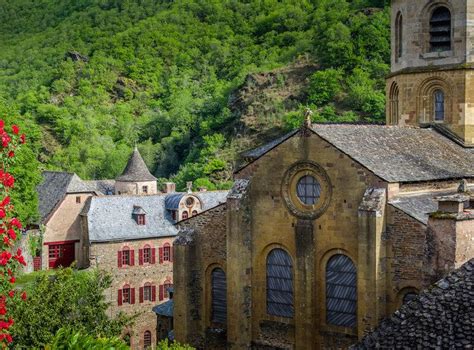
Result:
[331,228]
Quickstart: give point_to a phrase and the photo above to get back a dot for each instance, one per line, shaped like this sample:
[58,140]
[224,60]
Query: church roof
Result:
[400,154]
[136,169]
[441,317]
[55,186]
[209,199]
[164,309]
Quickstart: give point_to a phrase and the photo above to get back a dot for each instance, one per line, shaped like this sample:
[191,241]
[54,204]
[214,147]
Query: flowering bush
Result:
[10,260]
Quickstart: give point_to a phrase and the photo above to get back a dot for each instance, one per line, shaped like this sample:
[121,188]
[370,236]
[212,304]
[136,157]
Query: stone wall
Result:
[104,256]
[136,188]
[200,247]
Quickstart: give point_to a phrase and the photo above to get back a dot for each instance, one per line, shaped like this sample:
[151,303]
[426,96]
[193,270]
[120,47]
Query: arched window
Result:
[184,216]
[280,284]
[399,35]
[409,297]
[341,292]
[147,339]
[394,95]
[194,213]
[440,30]
[308,190]
[218,296]
[438,98]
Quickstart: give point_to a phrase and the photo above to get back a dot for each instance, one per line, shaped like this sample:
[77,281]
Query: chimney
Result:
[189,186]
[170,187]
[452,230]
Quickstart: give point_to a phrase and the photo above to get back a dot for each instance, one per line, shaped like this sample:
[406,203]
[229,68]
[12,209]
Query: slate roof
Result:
[55,186]
[136,169]
[441,317]
[396,154]
[106,187]
[110,218]
[164,309]
[400,154]
[209,199]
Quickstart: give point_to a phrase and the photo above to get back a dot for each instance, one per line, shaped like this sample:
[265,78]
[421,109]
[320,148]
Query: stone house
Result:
[333,227]
[123,226]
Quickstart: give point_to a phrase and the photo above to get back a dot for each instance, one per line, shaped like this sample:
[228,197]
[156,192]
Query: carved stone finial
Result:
[307,118]
[463,186]
[189,185]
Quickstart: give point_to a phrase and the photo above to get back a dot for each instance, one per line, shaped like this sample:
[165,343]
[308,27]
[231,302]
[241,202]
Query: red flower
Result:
[9,338]
[6,241]
[11,154]
[18,251]
[2,124]
[23,295]
[10,272]
[3,311]
[2,213]
[15,129]
[5,201]
[12,234]
[6,140]
[22,138]
[16,223]
[11,293]
[12,279]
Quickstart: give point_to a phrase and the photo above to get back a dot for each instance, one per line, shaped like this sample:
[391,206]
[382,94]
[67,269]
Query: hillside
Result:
[191,82]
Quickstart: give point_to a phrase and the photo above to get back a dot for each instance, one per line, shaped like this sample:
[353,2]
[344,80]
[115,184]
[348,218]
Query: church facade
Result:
[331,228]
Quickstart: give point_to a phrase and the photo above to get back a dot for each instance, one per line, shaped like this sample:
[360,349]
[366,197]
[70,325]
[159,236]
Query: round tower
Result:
[432,67]
[136,178]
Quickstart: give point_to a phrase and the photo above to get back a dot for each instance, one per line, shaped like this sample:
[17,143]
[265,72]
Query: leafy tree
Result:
[325,86]
[67,339]
[75,299]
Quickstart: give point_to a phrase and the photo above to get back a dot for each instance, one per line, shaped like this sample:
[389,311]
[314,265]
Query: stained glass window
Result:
[341,292]
[308,190]
[280,284]
[219,296]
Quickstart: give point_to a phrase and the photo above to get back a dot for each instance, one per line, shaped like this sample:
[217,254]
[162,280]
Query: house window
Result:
[126,295]
[61,255]
[218,296]
[141,219]
[147,339]
[194,213]
[173,215]
[125,257]
[189,202]
[399,35]
[184,215]
[308,190]
[166,252]
[394,96]
[147,292]
[147,254]
[438,105]
[341,291]
[78,199]
[440,30]
[145,189]
[166,287]
[409,297]
[280,284]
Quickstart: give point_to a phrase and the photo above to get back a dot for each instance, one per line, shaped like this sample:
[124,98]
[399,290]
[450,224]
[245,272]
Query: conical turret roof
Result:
[136,169]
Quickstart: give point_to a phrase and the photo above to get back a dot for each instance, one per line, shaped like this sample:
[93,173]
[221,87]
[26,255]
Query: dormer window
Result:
[139,215]
[145,189]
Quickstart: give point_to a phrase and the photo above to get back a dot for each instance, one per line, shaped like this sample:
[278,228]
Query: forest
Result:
[90,79]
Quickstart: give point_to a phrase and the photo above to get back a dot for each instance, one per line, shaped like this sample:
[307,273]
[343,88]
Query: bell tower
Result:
[432,67]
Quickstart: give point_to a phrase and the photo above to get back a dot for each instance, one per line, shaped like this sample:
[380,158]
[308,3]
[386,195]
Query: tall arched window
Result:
[147,339]
[394,95]
[218,296]
[438,98]
[341,291]
[399,35]
[280,284]
[440,30]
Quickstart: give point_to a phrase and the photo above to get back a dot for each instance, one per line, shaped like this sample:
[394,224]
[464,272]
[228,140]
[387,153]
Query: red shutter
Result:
[141,294]
[171,253]
[132,295]
[153,293]
[161,254]
[153,255]
[140,256]
[162,289]
[119,258]
[119,297]
[132,257]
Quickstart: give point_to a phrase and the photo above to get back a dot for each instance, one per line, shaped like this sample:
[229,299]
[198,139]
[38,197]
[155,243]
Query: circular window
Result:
[189,201]
[308,190]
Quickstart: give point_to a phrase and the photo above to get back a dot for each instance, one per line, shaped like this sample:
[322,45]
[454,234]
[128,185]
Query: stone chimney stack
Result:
[170,187]
[452,229]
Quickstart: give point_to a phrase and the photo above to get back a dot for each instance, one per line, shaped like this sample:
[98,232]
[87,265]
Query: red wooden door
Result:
[61,255]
